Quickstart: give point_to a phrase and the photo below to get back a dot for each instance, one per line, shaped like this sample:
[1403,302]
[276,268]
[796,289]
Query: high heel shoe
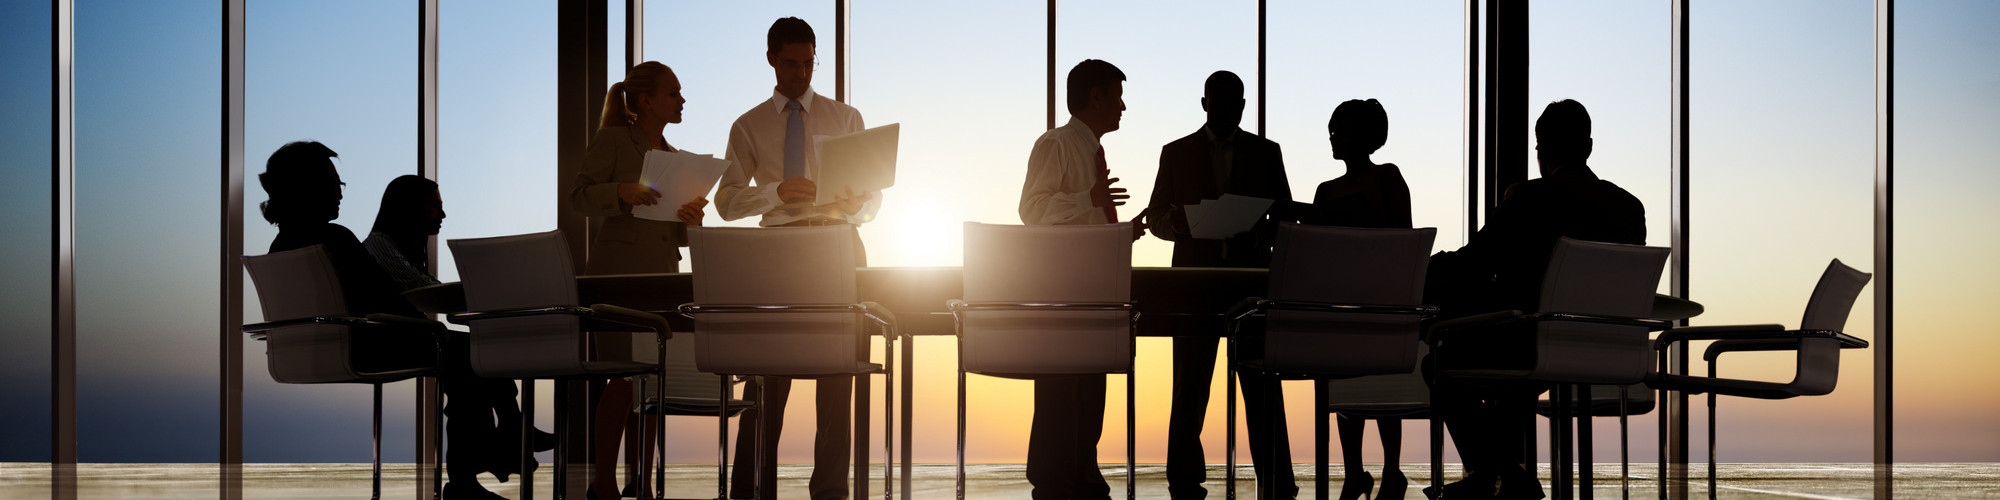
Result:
[1356,486]
[1394,485]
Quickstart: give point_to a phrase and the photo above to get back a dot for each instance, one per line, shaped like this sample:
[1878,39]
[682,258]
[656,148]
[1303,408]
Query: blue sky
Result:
[1782,92]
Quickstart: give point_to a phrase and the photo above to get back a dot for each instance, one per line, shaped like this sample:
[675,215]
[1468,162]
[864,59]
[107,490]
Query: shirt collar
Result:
[805,100]
[1218,139]
[1078,128]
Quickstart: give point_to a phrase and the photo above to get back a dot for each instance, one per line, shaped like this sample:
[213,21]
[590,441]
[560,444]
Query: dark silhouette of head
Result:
[1562,136]
[790,48]
[1096,96]
[650,92]
[1222,98]
[411,206]
[1357,128]
[301,183]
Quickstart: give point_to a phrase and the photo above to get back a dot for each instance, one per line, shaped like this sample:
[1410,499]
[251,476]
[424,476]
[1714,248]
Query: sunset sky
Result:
[1782,110]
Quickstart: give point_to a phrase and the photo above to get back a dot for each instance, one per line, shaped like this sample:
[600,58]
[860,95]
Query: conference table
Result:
[1171,301]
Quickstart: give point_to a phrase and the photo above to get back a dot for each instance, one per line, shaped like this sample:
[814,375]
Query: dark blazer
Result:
[1513,248]
[1187,176]
[362,283]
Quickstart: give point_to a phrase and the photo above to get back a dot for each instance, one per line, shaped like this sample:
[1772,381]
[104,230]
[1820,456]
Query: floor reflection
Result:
[349,481]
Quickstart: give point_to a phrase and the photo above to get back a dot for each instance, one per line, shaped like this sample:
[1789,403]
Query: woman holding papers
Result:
[636,112]
[1368,195]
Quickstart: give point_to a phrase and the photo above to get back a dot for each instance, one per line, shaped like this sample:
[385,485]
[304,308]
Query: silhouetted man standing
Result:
[1502,269]
[1217,159]
[1069,183]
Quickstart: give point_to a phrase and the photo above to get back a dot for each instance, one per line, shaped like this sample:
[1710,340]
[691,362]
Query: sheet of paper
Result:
[863,161]
[680,177]
[1227,216]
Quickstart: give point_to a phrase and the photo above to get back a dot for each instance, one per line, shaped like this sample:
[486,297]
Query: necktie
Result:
[795,140]
[1104,172]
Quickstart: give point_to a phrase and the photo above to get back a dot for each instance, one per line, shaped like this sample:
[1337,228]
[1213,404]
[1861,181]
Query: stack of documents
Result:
[680,177]
[1224,217]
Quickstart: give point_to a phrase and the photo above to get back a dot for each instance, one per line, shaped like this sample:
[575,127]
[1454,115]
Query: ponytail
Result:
[619,101]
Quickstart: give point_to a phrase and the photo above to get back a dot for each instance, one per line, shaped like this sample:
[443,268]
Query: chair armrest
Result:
[405,321]
[1649,323]
[633,317]
[1778,341]
[1244,308]
[958,306]
[881,316]
[1719,332]
[1436,331]
[258,331]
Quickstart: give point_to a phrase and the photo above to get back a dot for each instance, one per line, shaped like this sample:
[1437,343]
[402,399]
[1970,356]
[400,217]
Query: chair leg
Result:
[1660,398]
[721,437]
[1131,435]
[1229,420]
[1320,455]
[1585,463]
[1437,446]
[959,481]
[1711,443]
[1624,445]
[375,447]
[888,419]
[909,411]
[1560,456]
[527,426]
[757,475]
[863,387]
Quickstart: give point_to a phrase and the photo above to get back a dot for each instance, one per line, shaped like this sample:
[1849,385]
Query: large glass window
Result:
[25,135]
[1781,161]
[1946,76]
[343,74]
[969,96]
[147,185]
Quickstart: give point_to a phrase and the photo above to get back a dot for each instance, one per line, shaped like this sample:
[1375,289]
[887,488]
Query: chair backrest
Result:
[1049,264]
[1344,265]
[1601,279]
[1832,299]
[510,272]
[296,284]
[775,266]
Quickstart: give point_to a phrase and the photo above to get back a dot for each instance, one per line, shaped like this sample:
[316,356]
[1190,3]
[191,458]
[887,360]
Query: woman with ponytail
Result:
[636,112]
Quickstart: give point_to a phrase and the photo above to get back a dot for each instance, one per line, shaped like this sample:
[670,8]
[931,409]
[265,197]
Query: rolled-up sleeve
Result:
[735,198]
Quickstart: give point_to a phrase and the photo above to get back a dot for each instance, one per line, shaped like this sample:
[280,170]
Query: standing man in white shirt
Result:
[772,145]
[1069,183]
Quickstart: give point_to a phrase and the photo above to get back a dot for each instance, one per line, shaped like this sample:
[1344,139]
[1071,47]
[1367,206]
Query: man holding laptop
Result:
[772,144]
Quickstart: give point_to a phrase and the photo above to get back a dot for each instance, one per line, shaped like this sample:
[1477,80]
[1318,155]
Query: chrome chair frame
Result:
[883,319]
[1252,306]
[960,307]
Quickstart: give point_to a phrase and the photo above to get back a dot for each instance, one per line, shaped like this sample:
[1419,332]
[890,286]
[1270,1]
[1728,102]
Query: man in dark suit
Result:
[1220,158]
[1502,269]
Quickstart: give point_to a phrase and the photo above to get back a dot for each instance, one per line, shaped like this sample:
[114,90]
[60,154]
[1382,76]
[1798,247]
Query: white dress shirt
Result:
[1061,171]
[757,152]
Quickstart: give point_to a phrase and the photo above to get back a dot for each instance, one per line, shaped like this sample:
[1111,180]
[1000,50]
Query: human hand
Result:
[690,213]
[851,204]
[797,189]
[1139,225]
[633,193]
[1103,195]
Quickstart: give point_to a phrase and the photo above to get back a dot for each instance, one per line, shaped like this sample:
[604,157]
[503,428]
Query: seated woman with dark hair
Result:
[305,193]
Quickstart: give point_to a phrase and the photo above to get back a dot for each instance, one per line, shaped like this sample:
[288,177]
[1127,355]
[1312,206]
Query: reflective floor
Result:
[351,481]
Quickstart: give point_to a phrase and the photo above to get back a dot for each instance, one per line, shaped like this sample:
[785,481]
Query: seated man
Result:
[1501,269]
